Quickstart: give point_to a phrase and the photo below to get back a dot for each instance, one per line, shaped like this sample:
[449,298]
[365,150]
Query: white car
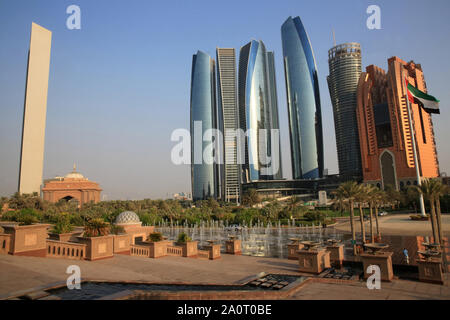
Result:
[382,213]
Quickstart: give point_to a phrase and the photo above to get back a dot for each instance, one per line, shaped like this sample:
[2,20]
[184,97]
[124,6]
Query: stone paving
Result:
[25,273]
[400,224]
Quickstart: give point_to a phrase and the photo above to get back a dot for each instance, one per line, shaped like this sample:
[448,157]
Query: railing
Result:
[140,251]
[174,251]
[66,250]
[204,254]
[5,243]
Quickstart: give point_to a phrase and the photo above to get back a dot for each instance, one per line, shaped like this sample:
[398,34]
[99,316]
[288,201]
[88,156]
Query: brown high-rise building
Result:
[384,130]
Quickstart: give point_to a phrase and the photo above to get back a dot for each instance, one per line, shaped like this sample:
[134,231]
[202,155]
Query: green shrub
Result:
[27,219]
[62,224]
[314,216]
[156,237]
[183,238]
[96,228]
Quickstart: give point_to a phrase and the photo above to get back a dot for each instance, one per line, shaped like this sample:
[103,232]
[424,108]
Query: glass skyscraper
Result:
[304,110]
[258,110]
[228,120]
[345,69]
[204,174]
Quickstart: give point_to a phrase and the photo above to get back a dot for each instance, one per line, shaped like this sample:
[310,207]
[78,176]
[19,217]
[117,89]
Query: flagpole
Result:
[413,141]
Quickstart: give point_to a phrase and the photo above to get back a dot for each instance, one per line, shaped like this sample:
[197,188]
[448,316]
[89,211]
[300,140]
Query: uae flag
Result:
[429,103]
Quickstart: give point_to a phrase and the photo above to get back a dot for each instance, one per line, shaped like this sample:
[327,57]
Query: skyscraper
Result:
[229,116]
[303,100]
[345,68]
[273,102]
[204,172]
[258,110]
[35,111]
[385,130]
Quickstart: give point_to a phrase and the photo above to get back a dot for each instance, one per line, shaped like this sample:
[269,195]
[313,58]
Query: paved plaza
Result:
[400,224]
[27,273]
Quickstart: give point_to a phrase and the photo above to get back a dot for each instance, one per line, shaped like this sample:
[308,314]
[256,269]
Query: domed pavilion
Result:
[132,225]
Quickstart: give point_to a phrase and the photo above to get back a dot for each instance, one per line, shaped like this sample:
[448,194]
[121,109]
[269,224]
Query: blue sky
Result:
[119,86]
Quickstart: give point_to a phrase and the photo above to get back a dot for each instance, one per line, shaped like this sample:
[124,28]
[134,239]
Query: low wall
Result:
[66,250]
[140,251]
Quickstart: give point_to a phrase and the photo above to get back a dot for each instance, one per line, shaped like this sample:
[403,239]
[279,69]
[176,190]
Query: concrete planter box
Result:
[189,248]
[292,250]
[381,259]
[313,261]
[27,240]
[158,249]
[214,251]
[336,255]
[98,247]
[430,271]
[122,243]
[65,237]
[233,246]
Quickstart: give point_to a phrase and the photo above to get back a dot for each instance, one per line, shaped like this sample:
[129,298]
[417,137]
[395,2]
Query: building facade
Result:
[303,100]
[344,62]
[35,111]
[258,113]
[73,187]
[229,119]
[204,172]
[384,127]
[273,103]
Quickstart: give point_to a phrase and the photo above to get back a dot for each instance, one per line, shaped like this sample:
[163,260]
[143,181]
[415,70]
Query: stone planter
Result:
[430,271]
[313,261]
[122,243]
[336,255]
[233,246]
[381,259]
[292,250]
[189,248]
[214,251]
[65,237]
[27,240]
[158,249]
[98,247]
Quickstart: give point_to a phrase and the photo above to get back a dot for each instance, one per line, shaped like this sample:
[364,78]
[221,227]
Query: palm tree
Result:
[292,204]
[380,199]
[251,197]
[361,198]
[350,190]
[428,188]
[441,189]
[338,202]
[371,192]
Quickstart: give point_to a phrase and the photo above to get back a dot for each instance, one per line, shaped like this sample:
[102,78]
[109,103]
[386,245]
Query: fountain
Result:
[265,239]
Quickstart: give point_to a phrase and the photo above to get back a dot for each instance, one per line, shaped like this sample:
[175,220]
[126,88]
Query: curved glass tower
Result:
[305,118]
[345,69]
[257,111]
[204,176]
